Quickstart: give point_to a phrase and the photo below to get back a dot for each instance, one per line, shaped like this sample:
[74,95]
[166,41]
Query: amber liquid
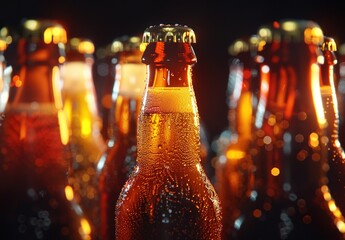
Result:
[291,204]
[117,163]
[168,196]
[33,176]
[87,146]
[336,157]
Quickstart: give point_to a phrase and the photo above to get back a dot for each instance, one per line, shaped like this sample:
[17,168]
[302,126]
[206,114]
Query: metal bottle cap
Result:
[169,33]
[50,31]
[329,44]
[126,43]
[5,38]
[79,49]
[42,34]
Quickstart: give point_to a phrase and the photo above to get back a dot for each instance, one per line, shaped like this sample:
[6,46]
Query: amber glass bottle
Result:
[234,173]
[5,40]
[288,198]
[80,106]
[336,154]
[117,162]
[168,195]
[37,201]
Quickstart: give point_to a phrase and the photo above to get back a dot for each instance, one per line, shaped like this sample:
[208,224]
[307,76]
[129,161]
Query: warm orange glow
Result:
[86,127]
[264,87]
[85,226]
[61,59]
[63,124]
[332,206]
[56,87]
[289,26]
[235,154]
[275,171]
[3,45]
[313,36]
[32,24]
[316,93]
[17,81]
[55,35]
[341,226]
[314,140]
[69,193]
[245,115]
[86,47]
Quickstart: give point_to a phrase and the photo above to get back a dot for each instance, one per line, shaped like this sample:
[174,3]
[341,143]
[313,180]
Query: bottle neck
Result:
[169,132]
[127,95]
[40,89]
[79,99]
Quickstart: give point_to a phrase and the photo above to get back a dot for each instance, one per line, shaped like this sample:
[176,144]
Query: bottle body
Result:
[86,142]
[34,167]
[168,199]
[290,197]
[168,195]
[37,200]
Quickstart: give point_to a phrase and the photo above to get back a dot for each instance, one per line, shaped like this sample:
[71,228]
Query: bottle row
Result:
[137,163]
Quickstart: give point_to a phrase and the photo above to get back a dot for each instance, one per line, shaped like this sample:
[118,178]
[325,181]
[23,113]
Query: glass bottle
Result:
[168,195]
[287,201]
[37,201]
[117,162]
[340,90]
[234,174]
[104,71]
[336,154]
[5,40]
[80,105]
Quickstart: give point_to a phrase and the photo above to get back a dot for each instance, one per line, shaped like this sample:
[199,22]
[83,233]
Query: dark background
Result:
[216,24]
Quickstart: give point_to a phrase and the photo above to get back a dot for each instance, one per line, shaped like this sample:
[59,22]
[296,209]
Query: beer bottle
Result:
[340,89]
[104,72]
[336,154]
[288,200]
[234,177]
[117,162]
[168,195]
[37,201]
[5,40]
[80,106]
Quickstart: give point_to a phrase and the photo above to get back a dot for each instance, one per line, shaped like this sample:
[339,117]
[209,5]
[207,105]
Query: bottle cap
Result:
[43,34]
[79,49]
[126,43]
[243,45]
[50,31]
[329,44]
[169,33]
[5,39]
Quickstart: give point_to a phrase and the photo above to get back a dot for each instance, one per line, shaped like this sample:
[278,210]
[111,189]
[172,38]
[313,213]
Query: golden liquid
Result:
[336,155]
[168,196]
[87,143]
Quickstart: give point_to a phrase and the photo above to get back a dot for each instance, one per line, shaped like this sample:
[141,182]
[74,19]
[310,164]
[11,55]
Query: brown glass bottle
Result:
[5,40]
[336,155]
[80,105]
[117,162]
[37,201]
[288,198]
[168,195]
[234,173]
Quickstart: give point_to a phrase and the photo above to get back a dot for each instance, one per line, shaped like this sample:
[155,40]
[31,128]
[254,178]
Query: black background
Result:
[216,24]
